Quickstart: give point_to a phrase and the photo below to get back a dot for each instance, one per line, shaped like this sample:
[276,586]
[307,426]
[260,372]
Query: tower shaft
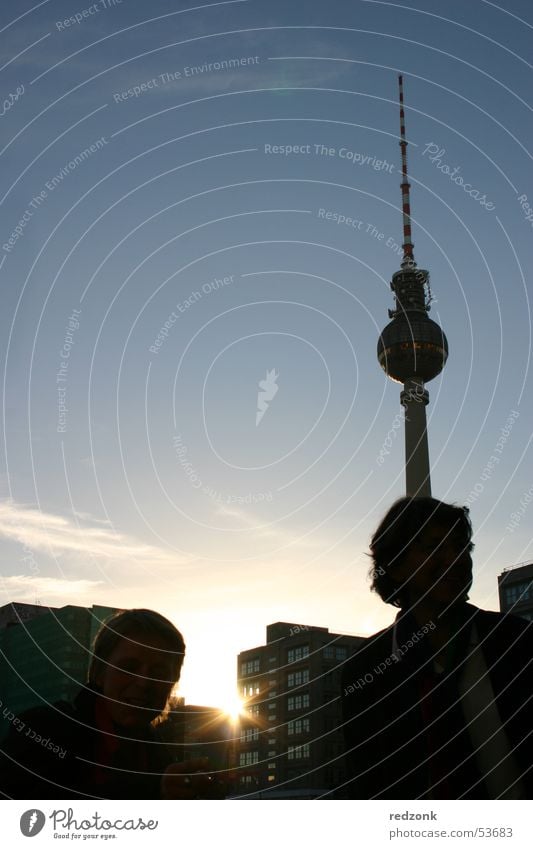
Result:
[414,400]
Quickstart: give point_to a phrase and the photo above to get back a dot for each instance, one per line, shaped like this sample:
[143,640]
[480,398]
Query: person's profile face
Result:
[437,566]
[137,679]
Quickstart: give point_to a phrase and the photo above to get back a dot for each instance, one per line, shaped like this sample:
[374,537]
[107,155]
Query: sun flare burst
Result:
[234,708]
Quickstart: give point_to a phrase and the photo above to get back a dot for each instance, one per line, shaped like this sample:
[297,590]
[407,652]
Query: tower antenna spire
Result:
[408,256]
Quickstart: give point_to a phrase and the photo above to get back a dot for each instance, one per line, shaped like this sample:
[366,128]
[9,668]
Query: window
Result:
[298,702]
[272,766]
[518,592]
[298,726]
[251,689]
[335,652]
[254,710]
[271,741]
[271,716]
[272,693]
[294,752]
[272,753]
[249,734]
[293,655]
[248,758]
[271,778]
[246,779]
[510,595]
[248,667]
[296,679]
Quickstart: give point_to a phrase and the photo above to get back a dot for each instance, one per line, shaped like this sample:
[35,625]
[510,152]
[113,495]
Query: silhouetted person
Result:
[439,705]
[106,744]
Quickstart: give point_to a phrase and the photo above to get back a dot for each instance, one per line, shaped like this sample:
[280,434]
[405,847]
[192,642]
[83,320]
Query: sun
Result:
[233,707]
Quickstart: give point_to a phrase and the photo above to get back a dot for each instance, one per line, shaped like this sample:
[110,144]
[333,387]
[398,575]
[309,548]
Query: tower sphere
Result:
[412,345]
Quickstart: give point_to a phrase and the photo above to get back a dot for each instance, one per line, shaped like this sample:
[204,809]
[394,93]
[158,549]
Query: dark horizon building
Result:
[201,731]
[291,743]
[17,612]
[515,589]
[45,653]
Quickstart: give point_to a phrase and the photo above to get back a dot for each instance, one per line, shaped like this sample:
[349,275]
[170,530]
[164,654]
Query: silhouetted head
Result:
[421,551]
[137,660]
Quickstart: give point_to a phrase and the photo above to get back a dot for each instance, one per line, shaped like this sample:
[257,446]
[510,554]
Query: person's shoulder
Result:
[38,722]
[55,712]
[496,618]
[505,627]
[367,648]
[38,752]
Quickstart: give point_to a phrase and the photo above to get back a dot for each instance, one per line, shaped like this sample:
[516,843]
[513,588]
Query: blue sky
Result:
[166,183]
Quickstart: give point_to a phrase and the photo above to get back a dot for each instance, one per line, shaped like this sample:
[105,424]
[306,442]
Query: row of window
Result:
[251,689]
[294,752]
[522,592]
[249,734]
[298,702]
[248,667]
[294,727]
[330,653]
[296,679]
[297,653]
[335,652]
[248,758]
[298,726]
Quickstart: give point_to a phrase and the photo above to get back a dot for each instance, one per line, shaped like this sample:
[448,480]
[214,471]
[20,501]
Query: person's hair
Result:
[138,625]
[401,527]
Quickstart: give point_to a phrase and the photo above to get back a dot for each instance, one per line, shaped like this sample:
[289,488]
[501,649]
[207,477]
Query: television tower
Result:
[412,349]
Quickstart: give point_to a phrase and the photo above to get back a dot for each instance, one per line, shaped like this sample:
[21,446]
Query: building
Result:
[17,612]
[515,588]
[198,731]
[412,349]
[45,653]
[290,742]
[209,733]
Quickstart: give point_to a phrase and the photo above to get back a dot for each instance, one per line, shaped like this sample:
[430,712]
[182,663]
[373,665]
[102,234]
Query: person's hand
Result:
[190,780]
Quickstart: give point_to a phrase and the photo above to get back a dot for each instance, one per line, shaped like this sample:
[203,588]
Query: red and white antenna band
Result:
[408,256]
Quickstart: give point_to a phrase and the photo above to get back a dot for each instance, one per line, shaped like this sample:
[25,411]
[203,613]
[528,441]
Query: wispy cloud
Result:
[57,535]
[267,74]
[263,530]
[27,588]
[88,517]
